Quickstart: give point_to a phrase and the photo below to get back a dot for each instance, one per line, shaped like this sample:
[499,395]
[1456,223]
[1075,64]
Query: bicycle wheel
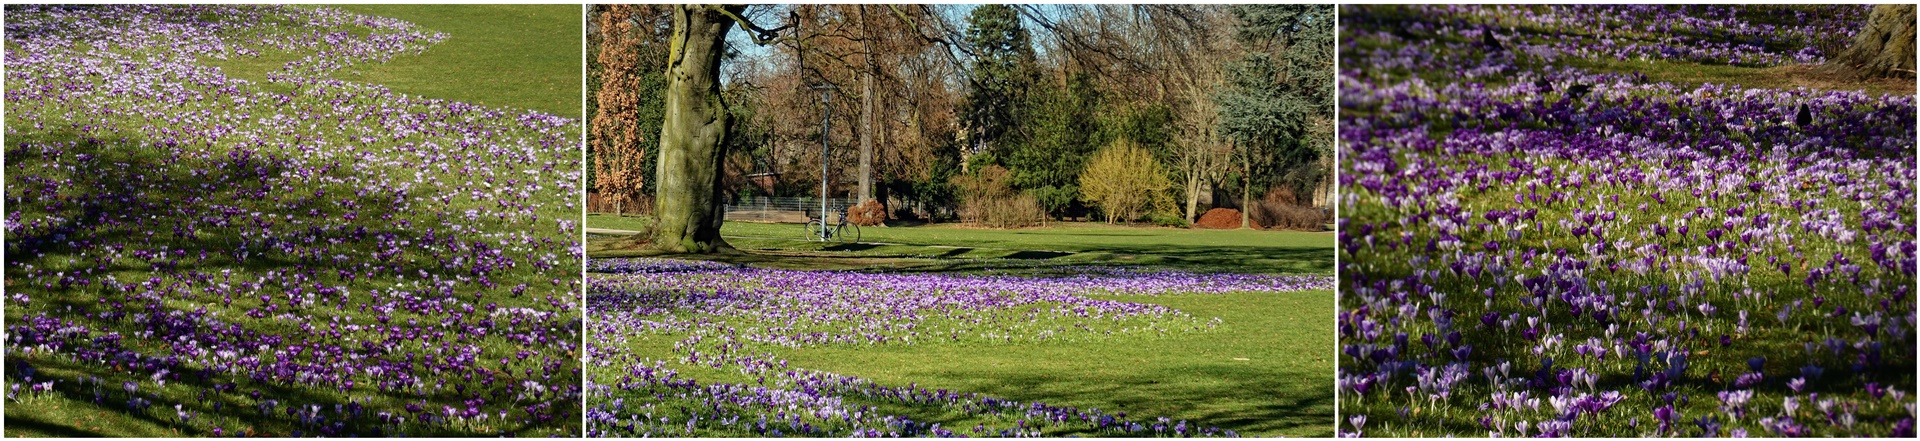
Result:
[813,230]
[847,233]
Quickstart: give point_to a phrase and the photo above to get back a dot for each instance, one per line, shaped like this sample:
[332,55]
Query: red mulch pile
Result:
[1219,219]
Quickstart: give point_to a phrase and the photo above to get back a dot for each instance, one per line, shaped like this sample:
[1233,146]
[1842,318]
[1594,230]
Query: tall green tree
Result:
[1277,106]
[1063,129]
[1004,67]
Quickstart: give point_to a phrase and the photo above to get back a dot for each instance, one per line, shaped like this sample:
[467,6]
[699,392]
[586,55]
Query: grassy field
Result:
[948,246]
[1264,371]
[190,255]
[535,65]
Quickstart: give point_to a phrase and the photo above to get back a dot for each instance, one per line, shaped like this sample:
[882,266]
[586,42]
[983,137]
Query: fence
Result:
[775,209]
[632,205]
[783,209]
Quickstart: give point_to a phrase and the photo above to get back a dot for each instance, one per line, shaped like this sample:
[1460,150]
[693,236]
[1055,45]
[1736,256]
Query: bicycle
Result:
[837,232]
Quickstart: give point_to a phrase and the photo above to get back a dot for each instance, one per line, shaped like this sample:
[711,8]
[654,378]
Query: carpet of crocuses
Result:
[193,254]
[723,375]
[1537,241]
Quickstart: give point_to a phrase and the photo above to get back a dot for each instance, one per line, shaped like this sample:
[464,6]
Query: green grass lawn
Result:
[517,56]
[524,56]
[1266,371]
[950,246]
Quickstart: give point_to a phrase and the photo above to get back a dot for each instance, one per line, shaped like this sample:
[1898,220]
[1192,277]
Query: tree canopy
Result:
[1222,97]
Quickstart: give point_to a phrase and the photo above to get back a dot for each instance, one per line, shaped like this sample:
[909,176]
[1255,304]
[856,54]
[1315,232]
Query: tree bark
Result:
[866,109]
[694,135]
[1885,47]
[1246,191]
[1323,196]
[1193,193]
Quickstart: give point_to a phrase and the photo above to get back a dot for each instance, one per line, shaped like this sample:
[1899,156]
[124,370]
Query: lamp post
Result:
[826,118]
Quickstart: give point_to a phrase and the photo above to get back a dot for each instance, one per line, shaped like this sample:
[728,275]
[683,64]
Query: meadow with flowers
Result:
[1544,232]
[194,253]
[981,347]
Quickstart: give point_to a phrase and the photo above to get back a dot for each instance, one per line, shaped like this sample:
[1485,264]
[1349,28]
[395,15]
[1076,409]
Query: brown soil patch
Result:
[1829,77]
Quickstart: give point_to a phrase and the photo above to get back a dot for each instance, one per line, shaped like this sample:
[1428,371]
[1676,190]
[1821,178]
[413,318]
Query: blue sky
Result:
[958,15]
[741,40]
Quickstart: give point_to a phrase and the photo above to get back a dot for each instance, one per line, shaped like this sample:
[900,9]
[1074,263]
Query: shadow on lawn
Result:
[132,196]
[31,426]
[851,247]
[1247,259]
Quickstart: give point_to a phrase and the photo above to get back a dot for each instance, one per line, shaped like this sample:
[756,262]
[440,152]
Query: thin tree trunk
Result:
[1193,193]
[1246,192]
[866,110]
[693,137]
[1323,196]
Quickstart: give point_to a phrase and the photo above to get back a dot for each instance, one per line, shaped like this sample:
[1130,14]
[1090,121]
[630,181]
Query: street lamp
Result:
[826,98]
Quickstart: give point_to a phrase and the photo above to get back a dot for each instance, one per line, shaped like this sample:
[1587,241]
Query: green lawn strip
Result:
[518,56]
[255,69]
[785,246]
[1695,74]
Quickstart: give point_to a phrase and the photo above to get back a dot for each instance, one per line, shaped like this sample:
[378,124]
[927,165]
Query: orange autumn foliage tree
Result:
[628,38]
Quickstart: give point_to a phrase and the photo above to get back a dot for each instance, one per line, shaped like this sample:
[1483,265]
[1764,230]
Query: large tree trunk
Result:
[1885,47]
[693,138]
[866,110]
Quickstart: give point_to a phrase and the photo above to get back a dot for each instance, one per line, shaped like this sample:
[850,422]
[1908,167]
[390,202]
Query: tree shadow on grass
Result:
[1291,260]
[1037,255]
[110,205]
[20,426]
[851,247]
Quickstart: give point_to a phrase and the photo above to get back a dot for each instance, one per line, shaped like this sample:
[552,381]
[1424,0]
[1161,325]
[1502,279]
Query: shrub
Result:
[1280,195]
[867,214]
[1123,179]
[1167,219]
[1292,217]
[987,200]
[1280,208]
[1019,211]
